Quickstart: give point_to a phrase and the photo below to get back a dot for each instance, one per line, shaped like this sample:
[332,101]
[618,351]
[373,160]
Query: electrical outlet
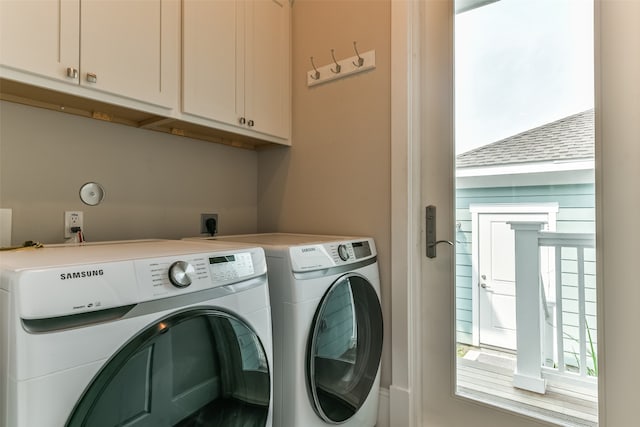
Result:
[203,223]
[72,219]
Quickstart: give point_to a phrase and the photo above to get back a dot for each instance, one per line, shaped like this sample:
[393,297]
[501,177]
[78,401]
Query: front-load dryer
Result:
[327,328]
[147,333]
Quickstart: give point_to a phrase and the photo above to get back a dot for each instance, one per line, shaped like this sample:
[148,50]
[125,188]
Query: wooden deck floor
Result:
[488,378]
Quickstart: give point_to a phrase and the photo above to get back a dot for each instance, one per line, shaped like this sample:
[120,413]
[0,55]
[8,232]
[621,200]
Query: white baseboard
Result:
[383,408]
[399,400]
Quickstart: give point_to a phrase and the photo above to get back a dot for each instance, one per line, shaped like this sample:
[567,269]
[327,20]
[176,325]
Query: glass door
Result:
[502,189]
[435,398]
[200,367]
[526,297]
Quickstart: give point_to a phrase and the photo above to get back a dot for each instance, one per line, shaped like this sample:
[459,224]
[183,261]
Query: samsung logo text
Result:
[81,274]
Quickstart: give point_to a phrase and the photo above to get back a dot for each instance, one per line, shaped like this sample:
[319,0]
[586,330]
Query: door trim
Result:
[405,395]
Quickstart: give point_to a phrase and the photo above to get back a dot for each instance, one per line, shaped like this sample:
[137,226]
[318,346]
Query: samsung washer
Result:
[327,328]
[147,333]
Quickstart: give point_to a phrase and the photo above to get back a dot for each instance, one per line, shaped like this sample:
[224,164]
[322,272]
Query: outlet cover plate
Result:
[203,222]
[72,219]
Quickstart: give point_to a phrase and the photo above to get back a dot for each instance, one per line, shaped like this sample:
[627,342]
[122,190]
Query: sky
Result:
[521,64]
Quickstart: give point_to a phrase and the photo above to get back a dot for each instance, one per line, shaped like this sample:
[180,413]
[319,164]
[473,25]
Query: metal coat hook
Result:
[338,66]
[316,74]
[360,62]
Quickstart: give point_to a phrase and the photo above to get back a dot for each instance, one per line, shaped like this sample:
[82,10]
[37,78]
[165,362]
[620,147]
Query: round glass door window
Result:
[197,368]
[344,348]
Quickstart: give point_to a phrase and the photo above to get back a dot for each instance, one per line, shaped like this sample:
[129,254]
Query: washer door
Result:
[200,367]
[344,348]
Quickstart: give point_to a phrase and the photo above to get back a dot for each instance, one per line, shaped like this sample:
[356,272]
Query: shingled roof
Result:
[570,138]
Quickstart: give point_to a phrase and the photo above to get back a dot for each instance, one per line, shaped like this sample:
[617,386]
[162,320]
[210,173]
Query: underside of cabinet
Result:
[35,96]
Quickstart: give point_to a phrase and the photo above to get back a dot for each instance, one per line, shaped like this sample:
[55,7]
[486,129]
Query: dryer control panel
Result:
[328,255]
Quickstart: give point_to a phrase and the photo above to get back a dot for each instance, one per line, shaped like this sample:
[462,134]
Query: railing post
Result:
[528,373]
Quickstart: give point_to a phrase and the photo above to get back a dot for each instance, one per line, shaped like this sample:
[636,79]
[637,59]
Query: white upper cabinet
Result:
[212,59]
[131,47]
[40,37]
[267,67]
[218,70]
[125,48]
[236,62]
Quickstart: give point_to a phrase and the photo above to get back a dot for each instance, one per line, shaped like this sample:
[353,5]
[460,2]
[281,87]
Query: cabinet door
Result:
[131,47]
[41,37]
[267,75]
[213,59]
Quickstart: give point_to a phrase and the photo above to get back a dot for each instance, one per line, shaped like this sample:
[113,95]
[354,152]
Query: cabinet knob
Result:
[92,78]
[250,123]
[72,73]
[242,120]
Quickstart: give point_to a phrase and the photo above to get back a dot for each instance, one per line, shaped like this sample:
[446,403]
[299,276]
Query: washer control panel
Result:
[327,255]
[193,272]
[69,279]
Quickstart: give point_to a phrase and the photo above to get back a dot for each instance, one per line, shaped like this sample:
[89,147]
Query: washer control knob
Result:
[180,274]
[343,253]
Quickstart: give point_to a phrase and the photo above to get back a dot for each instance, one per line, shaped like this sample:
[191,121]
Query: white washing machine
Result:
[327,328]
[146,333]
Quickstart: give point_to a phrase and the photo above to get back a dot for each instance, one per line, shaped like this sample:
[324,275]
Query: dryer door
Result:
[344,348]
[200,367]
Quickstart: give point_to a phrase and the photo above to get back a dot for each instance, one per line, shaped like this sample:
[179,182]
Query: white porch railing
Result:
[555,307]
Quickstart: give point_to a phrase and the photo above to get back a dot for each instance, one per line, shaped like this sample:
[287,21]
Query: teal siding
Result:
[576,215]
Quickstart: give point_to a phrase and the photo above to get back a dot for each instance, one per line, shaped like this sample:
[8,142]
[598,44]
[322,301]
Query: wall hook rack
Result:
[341,68]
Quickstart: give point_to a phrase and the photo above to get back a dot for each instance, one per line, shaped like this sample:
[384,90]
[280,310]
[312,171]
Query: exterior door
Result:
[195,368]
[437,403]
[617,133]
[496,278]
[497,289]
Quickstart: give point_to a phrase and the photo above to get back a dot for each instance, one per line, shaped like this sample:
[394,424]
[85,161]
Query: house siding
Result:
[576,215]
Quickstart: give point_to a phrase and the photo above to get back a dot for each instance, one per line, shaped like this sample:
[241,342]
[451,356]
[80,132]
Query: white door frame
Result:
[550,209]
[617,132]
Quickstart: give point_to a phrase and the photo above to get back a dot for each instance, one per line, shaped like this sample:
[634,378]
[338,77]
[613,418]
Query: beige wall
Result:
[618,201]
[335,179]
[156,184]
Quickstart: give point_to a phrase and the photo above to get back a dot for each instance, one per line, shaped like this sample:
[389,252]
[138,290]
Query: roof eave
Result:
[529,174]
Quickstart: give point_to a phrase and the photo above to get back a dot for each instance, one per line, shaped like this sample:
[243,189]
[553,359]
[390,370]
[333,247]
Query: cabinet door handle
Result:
[250,123]
[242,120]
[72,73]
[92,78]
